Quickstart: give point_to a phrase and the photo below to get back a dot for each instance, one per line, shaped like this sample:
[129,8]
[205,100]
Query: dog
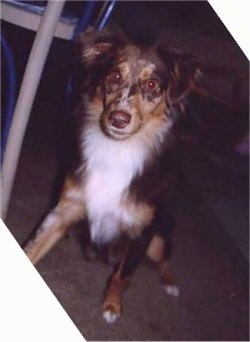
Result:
[131,97]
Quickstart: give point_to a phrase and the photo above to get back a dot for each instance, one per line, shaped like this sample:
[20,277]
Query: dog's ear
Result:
[183,73]
[93,45]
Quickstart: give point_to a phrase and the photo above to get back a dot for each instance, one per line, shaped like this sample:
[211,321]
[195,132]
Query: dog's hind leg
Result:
[157,253]
[69,210]
[168,279]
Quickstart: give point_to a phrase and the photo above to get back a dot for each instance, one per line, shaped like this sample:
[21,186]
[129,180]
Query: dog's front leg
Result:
[131,257]
[69,210]
[112,304]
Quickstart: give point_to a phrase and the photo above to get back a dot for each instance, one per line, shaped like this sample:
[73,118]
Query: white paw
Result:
[172,290]
[110,317]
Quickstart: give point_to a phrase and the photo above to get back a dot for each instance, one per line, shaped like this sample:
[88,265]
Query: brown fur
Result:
[125,115]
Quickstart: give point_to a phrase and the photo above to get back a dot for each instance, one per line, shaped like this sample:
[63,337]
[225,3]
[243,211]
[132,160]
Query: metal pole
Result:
[26,97]
[104,15]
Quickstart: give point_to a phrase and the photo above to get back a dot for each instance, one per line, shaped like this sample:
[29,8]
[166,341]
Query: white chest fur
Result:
[111,165]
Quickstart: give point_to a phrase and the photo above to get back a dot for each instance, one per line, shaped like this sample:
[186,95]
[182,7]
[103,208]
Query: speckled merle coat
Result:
[130,97]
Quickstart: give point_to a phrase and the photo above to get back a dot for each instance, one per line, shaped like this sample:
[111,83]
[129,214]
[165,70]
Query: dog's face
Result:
[133,94]
[128,87]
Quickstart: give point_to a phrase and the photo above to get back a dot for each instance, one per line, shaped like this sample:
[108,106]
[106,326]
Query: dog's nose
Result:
[119,118]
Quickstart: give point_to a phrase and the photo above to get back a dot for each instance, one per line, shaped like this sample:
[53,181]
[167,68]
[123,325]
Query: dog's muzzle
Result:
[119,119]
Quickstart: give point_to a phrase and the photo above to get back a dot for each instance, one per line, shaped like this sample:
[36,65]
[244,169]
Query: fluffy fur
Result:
[131,96]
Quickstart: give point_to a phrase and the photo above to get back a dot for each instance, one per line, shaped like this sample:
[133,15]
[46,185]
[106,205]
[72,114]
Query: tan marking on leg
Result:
[112,304]
[69,210]
[155,249]
[141,213]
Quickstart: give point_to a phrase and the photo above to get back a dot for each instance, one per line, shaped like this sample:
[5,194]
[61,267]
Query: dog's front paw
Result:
[172,290]
[111,311]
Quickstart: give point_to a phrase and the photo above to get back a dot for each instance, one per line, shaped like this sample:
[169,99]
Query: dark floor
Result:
[212,274]
[209,263]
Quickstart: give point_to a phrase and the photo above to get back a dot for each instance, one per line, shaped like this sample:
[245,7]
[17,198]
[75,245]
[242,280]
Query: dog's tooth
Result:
[172,290]
[110,317]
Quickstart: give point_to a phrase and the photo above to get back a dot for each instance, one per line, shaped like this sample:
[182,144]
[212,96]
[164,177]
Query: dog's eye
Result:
[115,77]
[152,84]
